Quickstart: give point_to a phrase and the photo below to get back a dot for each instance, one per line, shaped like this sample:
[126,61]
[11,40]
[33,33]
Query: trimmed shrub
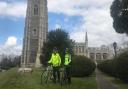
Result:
[82,66]
[122,66]
[117,67]
[108,67]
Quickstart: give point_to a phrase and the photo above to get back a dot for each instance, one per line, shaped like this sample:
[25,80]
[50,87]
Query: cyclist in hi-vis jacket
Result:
[56,62]
[67,64]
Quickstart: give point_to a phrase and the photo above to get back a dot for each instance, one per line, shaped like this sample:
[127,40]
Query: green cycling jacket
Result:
[55,60]
[67,59]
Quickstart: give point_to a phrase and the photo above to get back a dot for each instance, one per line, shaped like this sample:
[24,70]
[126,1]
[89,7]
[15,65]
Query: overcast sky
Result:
[74,16]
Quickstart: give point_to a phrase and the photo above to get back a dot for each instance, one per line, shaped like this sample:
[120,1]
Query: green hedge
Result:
[82,66]
[117,67]
[108,66]
[122,66]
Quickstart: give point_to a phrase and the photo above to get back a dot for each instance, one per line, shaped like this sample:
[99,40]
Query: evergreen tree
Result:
[56,38]
[119,13]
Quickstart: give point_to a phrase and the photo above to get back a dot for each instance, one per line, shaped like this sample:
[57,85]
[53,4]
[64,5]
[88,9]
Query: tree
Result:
[9,62]
[6,63]
[16,61]
[119,13]
[56,38]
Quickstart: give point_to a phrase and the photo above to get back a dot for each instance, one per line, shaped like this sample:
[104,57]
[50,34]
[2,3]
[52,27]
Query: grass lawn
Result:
[13,80]
[117,82]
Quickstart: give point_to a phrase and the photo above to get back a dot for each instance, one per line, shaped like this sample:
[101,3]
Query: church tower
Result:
[35,32]
[86,40]
[86,43]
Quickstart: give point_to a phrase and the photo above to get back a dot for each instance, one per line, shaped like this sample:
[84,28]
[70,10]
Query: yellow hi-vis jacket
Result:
[67,59]
[55,60]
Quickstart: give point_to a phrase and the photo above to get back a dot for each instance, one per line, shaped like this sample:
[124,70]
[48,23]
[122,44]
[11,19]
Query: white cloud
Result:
[57,26]
[68,7]
[99,24]
[75,7]
[16,10]
[11,47]
[11,41]
[96,19]
[99,28]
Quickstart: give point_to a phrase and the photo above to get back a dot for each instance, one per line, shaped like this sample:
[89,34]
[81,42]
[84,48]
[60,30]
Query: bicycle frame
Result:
[47,74]
[63,78]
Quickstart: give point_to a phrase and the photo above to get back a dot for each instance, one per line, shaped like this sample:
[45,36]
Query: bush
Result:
[82,66]
[122,66]
[117,67]
[108,66]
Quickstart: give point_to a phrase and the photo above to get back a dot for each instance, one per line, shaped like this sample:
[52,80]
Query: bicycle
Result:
[63,77]
[47,74]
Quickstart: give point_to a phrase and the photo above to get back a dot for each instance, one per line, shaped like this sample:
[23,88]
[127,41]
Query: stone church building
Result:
[95,53]
[35,32]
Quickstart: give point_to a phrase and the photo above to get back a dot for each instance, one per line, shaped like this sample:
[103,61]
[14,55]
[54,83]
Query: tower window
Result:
[34,31]
[82,49]
[35,9]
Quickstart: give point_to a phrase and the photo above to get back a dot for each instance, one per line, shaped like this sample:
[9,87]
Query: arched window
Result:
[34,32]
[98,56]
[105,55]
[79,49]
[35,9]
[92,56]
[82,49]
[76,49]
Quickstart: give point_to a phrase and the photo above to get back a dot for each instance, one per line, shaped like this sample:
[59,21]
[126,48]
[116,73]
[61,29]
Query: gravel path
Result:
[102,82]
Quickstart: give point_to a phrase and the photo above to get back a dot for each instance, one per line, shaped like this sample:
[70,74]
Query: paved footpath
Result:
[102,82]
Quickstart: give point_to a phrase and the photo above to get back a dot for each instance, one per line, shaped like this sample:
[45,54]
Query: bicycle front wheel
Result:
[44,77]
[62,79]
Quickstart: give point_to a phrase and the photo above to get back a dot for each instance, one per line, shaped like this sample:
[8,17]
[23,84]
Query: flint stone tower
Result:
[35,32]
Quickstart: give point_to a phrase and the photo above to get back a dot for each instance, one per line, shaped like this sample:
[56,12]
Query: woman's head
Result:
[55,50]
[66,50]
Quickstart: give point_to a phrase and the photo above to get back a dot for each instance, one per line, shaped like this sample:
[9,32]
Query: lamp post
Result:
[115,47]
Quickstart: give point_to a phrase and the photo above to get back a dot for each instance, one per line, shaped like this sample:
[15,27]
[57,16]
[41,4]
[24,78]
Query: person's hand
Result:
[49,64]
